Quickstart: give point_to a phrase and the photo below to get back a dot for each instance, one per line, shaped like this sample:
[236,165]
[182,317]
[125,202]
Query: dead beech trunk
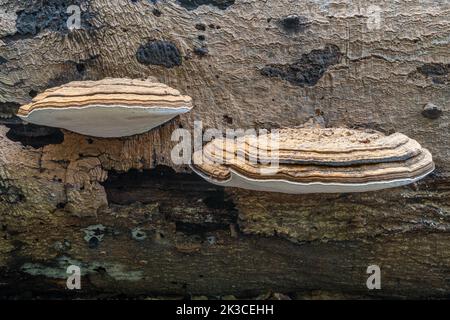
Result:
[139,225]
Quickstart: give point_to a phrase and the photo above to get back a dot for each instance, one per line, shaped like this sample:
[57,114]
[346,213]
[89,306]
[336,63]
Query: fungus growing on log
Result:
[106,108]
[306,160]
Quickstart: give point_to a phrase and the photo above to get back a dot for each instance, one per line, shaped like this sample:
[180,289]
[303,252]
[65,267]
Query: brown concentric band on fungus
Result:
[108,107]
[354,174]
[104,100]
[311,173]
[396,147]
[410,149]
[378,163]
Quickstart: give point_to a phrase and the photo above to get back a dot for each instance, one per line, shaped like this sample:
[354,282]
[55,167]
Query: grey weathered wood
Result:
[200,239]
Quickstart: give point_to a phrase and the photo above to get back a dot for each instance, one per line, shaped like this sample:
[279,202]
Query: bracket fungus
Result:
[106,108]
[314,160]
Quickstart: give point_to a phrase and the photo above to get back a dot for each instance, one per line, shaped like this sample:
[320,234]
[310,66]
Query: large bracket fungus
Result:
[106,108]
[313,160]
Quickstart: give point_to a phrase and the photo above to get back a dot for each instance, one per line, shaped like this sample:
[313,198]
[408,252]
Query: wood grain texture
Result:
[202,239]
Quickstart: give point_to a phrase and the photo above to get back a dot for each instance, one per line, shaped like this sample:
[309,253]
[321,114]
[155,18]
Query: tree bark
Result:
[140,225]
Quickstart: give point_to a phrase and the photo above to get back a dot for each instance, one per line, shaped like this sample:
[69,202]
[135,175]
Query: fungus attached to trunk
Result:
[314,161]
[106,108]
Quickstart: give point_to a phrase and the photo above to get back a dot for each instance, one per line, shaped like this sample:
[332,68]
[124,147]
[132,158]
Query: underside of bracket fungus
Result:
[313,160]
[106,108]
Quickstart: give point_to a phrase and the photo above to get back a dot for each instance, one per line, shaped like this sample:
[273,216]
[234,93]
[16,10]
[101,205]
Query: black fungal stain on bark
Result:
[72,71]
[194,4]
[438,72]
[201,51]
[309,69]
[294,24]
[160,53]
[434,69]
[432,111]
[10,194]
[33,93]
[157,12]
[93,243]
[63,79]
[227,119]
[51,15]
[81,68]
[213,26]
[200,26]
[34,135]
[8,111]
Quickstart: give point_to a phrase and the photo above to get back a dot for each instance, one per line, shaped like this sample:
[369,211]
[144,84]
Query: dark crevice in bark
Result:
[199,229]
[182,197]
[194,4]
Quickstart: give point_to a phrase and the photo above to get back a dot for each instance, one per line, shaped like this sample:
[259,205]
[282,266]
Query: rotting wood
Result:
[239,242]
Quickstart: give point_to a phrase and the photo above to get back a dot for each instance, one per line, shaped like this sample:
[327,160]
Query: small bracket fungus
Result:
[314,160]
[106,108]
